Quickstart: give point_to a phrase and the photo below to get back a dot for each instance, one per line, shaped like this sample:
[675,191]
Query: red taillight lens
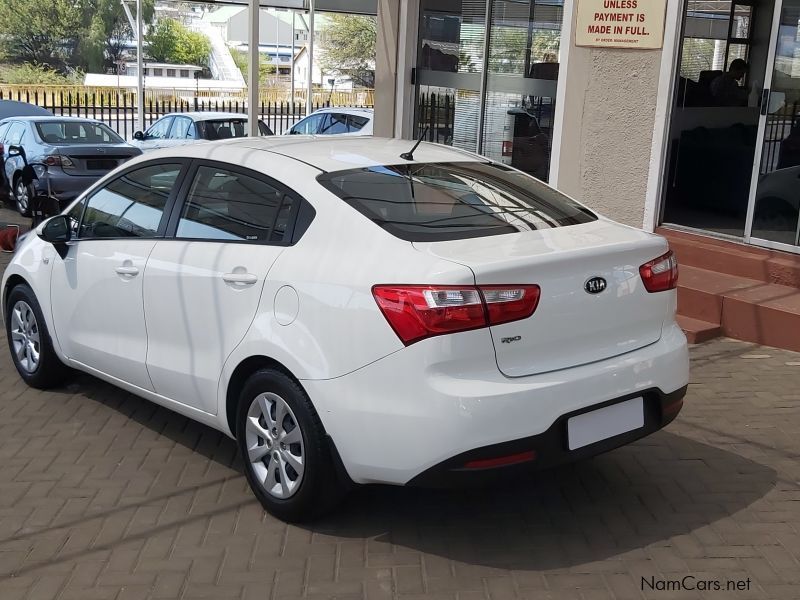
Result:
[660,274]
[416,312]
[510,303]
[56,160]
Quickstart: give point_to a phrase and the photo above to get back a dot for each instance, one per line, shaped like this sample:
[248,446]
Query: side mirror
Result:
[138,136]
[57,230]
[16,151]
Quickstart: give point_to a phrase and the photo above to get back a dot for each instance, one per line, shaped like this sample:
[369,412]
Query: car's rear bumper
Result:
[409,413]
[548,449]
[66,187]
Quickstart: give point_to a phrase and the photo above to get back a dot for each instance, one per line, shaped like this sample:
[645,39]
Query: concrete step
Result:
[698,331]
[731,258]
[743,308]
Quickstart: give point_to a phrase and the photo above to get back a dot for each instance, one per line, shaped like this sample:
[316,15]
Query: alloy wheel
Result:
[22,196]
[274,445]
[25,336]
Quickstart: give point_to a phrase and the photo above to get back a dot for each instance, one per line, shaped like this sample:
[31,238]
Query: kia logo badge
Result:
[595,285]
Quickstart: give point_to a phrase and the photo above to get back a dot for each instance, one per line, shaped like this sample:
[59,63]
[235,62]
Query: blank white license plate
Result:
[604,423]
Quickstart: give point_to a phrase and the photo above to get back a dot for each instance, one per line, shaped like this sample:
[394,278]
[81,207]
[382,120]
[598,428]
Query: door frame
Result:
[760,139]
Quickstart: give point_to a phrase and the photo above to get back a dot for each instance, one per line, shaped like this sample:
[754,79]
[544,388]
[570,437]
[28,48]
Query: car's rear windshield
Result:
[76,132]
[432,202]
[224,129]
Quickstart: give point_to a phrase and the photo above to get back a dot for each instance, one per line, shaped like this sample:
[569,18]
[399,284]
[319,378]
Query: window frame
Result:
[294,230]
[168,207]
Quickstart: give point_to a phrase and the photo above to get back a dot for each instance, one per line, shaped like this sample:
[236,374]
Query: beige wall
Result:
[607,130]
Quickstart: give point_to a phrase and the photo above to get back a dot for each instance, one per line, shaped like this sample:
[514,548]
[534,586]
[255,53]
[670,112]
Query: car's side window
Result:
[159,129]
[15,133]
[3,129]
[191,133]
[179,128]
[131,205]
[334,123]
[308,126]
[228,205]
[74,216]
[356,123]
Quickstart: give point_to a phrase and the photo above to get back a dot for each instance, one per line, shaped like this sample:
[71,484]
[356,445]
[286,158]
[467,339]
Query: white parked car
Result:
[179,129]
[339,120]
[350,315]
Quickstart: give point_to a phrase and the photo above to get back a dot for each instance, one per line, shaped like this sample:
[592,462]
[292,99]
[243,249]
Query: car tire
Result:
[29,341]
[271,449]
[22,196]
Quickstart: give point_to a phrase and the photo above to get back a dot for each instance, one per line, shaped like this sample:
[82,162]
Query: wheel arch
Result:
[12,281]
[240,374]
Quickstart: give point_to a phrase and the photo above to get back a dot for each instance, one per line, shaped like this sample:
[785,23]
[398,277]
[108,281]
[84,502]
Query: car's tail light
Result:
[501,461]
[416,312]
[660,274]
[57,160]
[510,303]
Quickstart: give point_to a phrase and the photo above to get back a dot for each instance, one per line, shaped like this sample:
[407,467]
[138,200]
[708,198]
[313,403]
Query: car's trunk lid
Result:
[95,159]
[571,326]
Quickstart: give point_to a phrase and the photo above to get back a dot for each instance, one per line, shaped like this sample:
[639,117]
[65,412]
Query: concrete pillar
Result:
[610,122]
[386,53]
[252,69]
[310,52]
[139,67]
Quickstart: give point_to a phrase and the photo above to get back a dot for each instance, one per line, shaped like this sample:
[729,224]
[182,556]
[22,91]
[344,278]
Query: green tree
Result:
[109,30]
[348,43]
[170,41]
[265,68]
[41,32]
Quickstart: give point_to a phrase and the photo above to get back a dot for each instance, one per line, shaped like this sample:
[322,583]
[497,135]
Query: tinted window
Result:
[225,205]
[76,132]
[159,129]
[224,129]
[180,128]
[308,126]
[132,205]
[74,215]
[264,129]
[334,123]
[356,123]
[448,201]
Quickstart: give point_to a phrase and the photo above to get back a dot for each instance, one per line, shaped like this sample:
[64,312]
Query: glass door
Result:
[774,212]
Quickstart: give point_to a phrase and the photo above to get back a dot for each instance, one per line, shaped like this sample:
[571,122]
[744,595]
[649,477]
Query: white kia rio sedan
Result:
[351,315]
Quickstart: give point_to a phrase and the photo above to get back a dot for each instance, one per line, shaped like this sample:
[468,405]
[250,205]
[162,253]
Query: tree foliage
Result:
[64,34]
[348,44]
[265,67]
[41,32]
[171,42]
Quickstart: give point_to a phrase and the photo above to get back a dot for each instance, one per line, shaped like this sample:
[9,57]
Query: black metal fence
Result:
[119,111]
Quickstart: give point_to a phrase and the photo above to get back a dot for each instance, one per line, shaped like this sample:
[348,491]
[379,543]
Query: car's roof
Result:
[46,118]
[326,153]
[350,110]
[207,116]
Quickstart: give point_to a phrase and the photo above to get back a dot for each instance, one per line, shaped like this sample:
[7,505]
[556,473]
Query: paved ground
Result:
[105,496]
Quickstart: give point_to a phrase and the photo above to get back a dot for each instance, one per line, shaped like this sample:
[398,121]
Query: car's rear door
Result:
[203,285]
[96,287]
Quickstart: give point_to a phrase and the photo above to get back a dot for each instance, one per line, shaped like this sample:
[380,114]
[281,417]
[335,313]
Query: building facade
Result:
[672,134]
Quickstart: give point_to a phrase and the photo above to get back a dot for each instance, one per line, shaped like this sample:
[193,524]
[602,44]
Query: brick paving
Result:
[106,496]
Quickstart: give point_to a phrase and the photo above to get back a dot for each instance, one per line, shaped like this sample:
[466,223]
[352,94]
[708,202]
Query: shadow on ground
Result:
[660,487]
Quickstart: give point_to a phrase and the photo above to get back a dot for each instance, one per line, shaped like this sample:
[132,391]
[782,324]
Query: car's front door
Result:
[96,288]
[156,136]
[202,287]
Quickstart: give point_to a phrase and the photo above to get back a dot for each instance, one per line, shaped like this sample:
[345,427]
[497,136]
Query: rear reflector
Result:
[660,274]
[501,461]
[416,312]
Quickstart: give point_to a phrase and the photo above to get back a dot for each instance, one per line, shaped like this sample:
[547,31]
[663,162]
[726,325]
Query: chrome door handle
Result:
[127,270]
[240,278]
